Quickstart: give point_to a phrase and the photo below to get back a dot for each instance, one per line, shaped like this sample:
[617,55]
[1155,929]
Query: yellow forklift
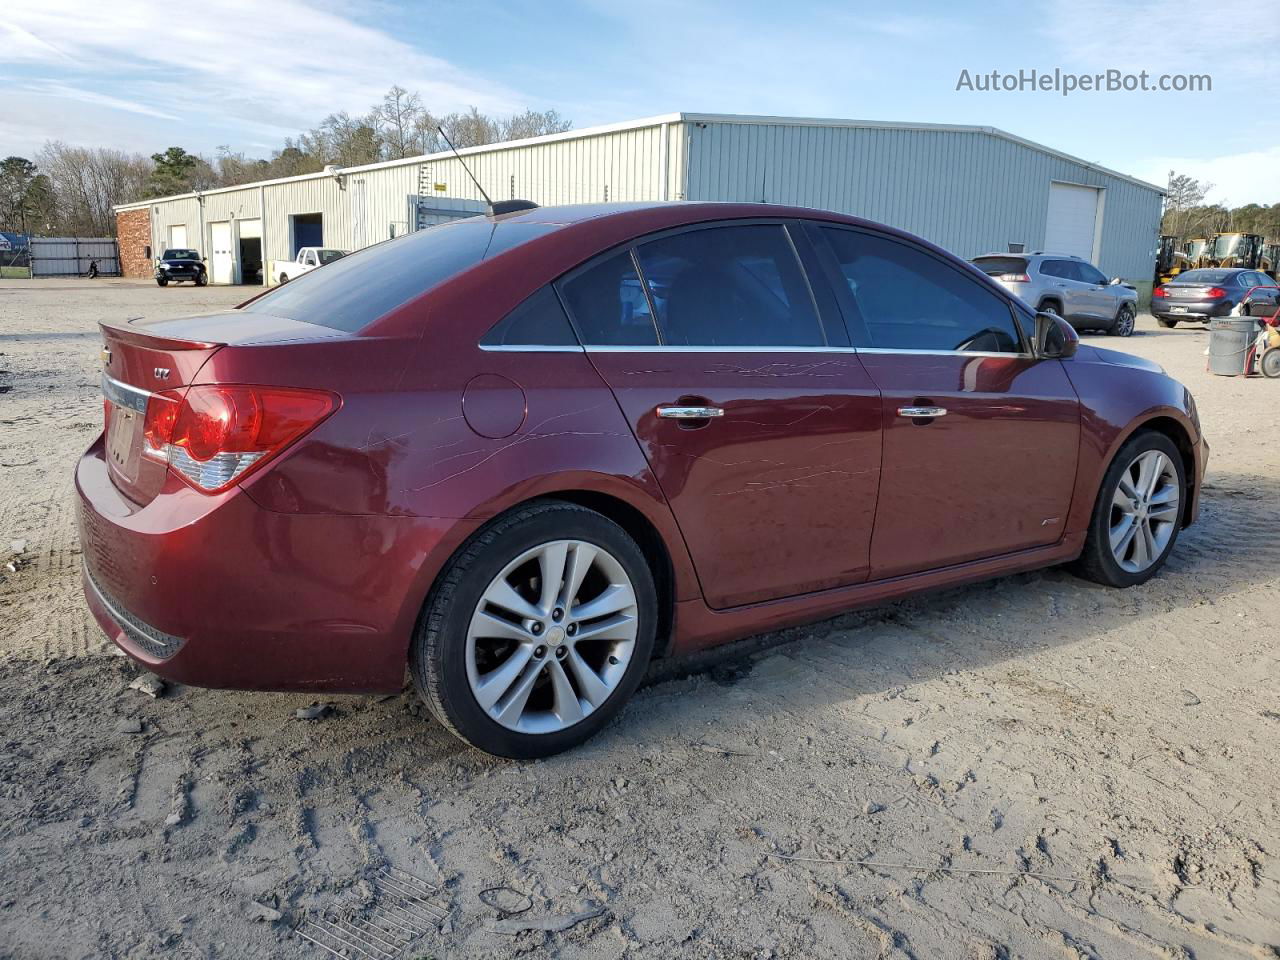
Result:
[1170,261]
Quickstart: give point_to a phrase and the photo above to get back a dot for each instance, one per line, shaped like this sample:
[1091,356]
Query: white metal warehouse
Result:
[970,189]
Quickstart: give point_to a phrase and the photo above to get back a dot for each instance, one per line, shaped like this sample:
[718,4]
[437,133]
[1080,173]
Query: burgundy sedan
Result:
[521,455]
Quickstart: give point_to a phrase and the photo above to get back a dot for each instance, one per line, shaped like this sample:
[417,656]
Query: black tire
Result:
[1269,362]
[161,282]
[1126,320]
[437,658]
[202,279]
[1097,563]
[284,278]
[1166,323]
[1052,306]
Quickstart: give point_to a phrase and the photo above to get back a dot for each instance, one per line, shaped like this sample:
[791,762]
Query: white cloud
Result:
[1237,178]
[63,91]
[282,66]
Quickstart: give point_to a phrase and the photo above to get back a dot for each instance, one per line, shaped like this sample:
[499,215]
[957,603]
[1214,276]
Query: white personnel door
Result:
[221,261]
[1073,220]
[178,237]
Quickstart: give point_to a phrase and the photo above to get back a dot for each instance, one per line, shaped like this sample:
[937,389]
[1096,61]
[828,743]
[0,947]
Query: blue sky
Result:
[133,75]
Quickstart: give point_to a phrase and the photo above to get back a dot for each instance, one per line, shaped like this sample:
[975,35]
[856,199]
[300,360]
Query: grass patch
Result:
[15,273]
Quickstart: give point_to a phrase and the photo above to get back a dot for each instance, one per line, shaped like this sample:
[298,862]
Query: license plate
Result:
[122,450]
[1177,309]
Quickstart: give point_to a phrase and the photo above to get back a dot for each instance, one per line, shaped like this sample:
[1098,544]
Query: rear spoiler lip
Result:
[123,334]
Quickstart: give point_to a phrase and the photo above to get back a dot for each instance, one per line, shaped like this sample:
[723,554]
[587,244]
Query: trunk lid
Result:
[143,357]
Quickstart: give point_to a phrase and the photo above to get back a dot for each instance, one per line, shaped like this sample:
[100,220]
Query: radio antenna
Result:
[440,130]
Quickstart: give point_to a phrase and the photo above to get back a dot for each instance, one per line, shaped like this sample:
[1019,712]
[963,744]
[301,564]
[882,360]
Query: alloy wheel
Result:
[1144,511]
[551,637]
[1127,321]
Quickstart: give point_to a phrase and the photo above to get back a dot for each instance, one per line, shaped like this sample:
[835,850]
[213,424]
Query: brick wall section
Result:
[133,232]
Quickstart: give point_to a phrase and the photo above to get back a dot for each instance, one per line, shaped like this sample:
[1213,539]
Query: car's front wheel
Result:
[1138,513]
[537,632]
[161,282]
[1126,319]
[202,279]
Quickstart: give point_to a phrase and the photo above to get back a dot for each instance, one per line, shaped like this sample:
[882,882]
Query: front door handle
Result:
[689,413]
[922,412]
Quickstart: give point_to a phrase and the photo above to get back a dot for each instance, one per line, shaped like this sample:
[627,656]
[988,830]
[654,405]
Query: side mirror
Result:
[1055,338]
[1116,281]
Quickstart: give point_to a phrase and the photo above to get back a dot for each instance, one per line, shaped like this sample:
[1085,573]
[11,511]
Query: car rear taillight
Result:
[212,435]
[1159,292]
[1014,278]
[1215,292]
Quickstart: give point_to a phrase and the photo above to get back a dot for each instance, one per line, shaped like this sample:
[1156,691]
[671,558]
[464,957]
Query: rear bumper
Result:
[219,592]
[1192,310]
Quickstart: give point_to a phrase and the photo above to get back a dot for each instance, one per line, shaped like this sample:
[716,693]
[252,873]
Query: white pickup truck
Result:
[308,258]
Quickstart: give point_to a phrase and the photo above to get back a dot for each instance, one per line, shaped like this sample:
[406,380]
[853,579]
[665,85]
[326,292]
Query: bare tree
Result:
[532,123]
[398,122]
[87,181]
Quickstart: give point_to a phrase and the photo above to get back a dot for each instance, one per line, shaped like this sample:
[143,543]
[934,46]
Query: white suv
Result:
[1069,286]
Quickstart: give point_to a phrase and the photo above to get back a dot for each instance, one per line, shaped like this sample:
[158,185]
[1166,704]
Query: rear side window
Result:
[910,300]
[739,286]
[608,304]
[352,292]
[539,321]
[1056,268]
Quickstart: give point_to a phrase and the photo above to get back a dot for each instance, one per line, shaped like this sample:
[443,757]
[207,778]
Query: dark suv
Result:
[175,266]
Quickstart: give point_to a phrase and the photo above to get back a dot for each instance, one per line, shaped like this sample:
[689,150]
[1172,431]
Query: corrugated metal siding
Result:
[618,166]
[970,192]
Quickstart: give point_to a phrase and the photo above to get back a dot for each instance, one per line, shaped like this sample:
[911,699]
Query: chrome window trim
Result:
[124,395]
[876,350]
[529,348]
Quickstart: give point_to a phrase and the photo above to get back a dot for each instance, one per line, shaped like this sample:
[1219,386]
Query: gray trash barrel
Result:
[1229,343]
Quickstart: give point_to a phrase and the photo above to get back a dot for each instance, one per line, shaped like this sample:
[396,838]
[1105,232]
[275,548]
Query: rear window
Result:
[999,266]
[1204,276]
[352,292]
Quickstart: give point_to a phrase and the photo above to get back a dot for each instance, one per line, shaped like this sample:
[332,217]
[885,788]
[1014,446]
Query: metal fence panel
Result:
[71,256]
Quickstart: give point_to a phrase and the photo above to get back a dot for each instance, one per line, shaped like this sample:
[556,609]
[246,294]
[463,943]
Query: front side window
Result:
[908,299]
[737,286]
[608,304]
[1091,274]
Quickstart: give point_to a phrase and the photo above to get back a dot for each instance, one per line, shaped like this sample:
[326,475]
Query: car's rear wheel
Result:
[1166,323]
[1053,306]
[1138,513]
[1126,319]
[537,632]
[284,278]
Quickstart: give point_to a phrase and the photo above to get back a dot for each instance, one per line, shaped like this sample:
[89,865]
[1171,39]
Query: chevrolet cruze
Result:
[521,455]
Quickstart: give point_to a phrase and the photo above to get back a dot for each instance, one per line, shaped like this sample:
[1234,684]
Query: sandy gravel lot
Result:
[1123,746]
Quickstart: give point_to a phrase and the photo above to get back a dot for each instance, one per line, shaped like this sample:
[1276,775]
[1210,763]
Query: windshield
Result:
[1205,276]
[181,255]
[328,256]
[360,287]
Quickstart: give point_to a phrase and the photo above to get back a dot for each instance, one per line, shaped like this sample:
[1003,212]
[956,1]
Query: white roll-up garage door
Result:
[1073,220]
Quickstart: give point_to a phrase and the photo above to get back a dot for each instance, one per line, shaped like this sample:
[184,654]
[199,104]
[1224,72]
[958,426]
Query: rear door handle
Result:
[689,413]
[922,412]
